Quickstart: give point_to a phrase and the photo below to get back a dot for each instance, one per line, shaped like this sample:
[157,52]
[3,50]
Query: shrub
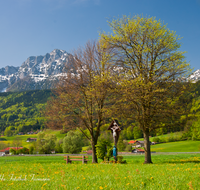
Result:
[12,151]
[156,139]
[72,143]
[31,149]
[128,148]
[104,149]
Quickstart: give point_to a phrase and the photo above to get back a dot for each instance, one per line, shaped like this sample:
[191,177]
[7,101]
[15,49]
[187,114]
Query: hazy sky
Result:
[36,27]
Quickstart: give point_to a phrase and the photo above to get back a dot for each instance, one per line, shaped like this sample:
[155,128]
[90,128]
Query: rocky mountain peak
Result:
[40,72]
[195,76]
[39,69]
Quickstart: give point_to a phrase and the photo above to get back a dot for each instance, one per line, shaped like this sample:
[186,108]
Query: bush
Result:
[128,148]
[163,140]
[104,149]
[72,143]
[31,149]
[59,146]
[25,150]
[12,151]
[156,139]
[121,145]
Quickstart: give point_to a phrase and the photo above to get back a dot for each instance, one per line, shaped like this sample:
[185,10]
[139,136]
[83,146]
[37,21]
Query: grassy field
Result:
[179,146]
[51,172]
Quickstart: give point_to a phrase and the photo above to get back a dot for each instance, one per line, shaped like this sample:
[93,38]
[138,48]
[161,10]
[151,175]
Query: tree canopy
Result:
[151,72]
[81,94]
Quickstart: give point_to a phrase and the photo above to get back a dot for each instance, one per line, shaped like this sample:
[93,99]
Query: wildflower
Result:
[100,187]
[44,184]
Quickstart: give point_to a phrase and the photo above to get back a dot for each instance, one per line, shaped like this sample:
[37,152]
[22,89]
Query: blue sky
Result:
[36,27]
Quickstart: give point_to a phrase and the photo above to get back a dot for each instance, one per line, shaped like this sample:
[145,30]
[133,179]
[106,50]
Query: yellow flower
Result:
[44,184]
[100,187]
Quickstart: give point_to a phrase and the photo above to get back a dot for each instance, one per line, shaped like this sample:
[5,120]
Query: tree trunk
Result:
[94,155]
[147,147]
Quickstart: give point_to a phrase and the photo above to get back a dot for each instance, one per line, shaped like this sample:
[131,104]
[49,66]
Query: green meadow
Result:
[178,171]
[178,146]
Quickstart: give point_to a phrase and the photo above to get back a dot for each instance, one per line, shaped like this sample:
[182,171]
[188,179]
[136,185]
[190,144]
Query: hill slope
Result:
[21,111]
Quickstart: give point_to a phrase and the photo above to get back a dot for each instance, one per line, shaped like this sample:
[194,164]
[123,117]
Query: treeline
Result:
[21,111]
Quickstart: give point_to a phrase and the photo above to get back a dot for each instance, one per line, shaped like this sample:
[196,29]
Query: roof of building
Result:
[8,148]
[132,142]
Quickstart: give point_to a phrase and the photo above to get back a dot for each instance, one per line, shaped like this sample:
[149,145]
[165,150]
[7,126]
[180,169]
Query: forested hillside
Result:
[21,111]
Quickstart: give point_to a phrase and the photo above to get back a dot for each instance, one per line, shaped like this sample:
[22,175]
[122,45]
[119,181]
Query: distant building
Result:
[137,144]
[137,151]
[30,132]
[7,150]
[31,139]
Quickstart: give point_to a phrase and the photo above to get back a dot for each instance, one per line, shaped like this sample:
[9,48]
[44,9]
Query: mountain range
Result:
[41,72]
[37,72]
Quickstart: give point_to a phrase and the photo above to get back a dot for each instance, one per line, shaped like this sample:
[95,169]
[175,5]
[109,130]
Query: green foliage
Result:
[104,149]
[156,139]
[59,146]
[8,132]
[13,151]
[72,143]
[31,149]
[22,110]
[46,143]
[195,130]
[121,145]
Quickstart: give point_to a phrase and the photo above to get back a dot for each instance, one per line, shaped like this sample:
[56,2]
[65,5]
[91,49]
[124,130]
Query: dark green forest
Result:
[22,111]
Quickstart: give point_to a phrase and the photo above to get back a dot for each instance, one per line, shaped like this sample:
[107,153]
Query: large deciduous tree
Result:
[82,94]
[147,53]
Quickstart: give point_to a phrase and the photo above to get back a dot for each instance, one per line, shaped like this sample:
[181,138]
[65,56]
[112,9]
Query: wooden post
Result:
[83,160]
[67,158]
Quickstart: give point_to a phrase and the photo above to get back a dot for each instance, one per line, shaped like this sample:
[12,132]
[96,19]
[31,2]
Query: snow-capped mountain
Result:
[40,72]
[37,72]
[7,77]
[195,76]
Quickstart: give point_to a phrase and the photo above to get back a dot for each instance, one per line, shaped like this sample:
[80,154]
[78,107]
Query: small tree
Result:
[45,143]
[17,142]
[72,143]
[8,132]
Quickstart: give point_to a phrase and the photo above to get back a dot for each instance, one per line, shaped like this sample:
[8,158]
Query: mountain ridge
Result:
[36,73]
[41,72]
